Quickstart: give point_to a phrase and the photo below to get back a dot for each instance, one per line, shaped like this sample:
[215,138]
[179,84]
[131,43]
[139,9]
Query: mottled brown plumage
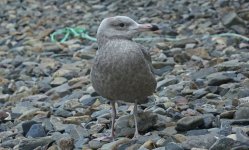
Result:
[122,68]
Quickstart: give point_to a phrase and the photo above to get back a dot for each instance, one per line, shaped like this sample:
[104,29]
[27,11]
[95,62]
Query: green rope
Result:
[82,33]
[74,32]
[232,35]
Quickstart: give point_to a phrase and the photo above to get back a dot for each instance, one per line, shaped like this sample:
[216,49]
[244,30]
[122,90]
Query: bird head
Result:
[122,27]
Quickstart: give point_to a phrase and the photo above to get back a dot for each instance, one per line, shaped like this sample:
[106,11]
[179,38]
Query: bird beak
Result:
[147,27]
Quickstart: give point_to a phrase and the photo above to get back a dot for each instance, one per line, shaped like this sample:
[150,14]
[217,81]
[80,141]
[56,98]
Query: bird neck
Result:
[103,39]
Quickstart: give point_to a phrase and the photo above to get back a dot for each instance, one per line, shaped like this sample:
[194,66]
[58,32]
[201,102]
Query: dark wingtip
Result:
[154,28]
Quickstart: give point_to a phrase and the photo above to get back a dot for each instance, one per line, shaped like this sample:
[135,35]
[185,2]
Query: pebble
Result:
[241,113]
[3,115]
[59,91]
[113,145]
[36,130]
[148,145]
[62,113]
[223,143]
[173,146]
[4,98]
[125,124]
[57,123]
[161,142]
[31,144]
[218,79]
[95,144]
[169,130]
[26,125]
[58,81]
[200,141]
[227,114]
[47,100]
[189,122]
[77,119]
[166,82]
[66,143]
[197,132]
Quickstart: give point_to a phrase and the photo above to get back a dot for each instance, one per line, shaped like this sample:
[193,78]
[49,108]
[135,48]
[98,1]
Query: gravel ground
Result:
[202,97]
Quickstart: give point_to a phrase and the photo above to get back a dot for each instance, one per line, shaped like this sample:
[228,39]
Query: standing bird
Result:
[122,69]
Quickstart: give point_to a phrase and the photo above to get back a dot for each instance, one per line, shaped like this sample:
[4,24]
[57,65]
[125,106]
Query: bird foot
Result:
[136,136]
[105,138]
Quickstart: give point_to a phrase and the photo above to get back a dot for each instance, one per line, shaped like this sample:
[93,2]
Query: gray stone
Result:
[66,73]
[241,147]
[47,124]
[166,82]
[59,91]
[200,141]
[100,113]
[242,113]
[95,144]
[38,97]
[4,115]
[77,131]
[231,18]
[85,54]
[241,136]
[159,148]
[199,93]
[208,108]
[234,93]
[31,144]
[87,100]
[4,98]
[162,120]
[160,111]
[227,114]
[163,70]
[225,127]
[66,143]
[168,131]
[72,104]
[79,142]
[244,101]
[189,122]
[173,146]
[161,142]
[36,130]
[202,73]
[208,120]
[57,123]
[26,125]
[58,81]
[218,78]
[153,137]
[62,112]
[231,65]
[222,144]
[10,143]
[57,135]
[113,145]
[22,107]
[197,132]
[132,145]
[182,57]
[125,124]
[44,85]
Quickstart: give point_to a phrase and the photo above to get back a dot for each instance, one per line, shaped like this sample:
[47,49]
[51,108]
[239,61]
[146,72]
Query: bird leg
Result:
[113,118]
[110,137]
[136,135]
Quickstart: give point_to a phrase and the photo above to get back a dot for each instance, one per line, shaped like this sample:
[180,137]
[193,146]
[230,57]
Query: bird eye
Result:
[121,24]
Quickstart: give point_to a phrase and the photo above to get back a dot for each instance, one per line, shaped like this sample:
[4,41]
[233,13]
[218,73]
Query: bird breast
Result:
[120,72]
